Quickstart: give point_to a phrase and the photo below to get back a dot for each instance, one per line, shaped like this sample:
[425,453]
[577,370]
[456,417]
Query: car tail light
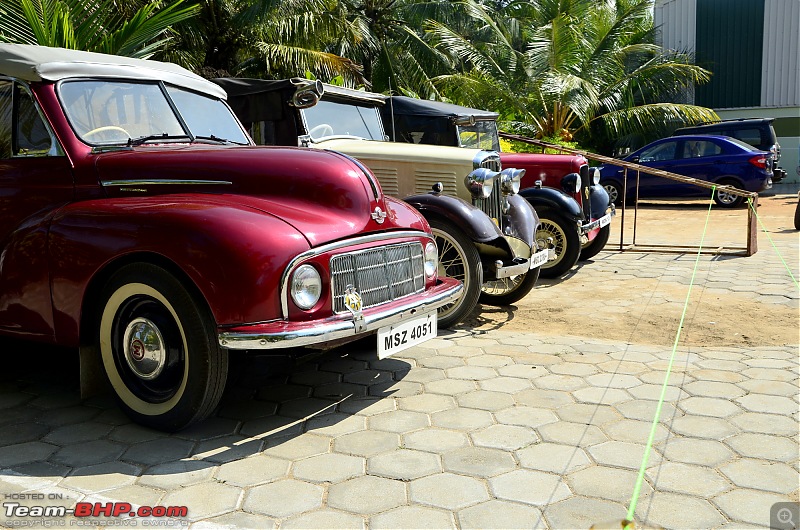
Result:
[760,161]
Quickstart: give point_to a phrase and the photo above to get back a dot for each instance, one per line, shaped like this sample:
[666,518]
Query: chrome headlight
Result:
[571,183]
[510,179]
[306,286]
[595,175]
[480,182]
[431,259]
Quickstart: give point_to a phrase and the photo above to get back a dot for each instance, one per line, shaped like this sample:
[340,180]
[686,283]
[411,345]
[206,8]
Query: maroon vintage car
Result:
[139,224]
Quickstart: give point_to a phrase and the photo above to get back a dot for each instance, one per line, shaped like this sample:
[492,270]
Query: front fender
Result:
[553,199]
[599,200]
[521,220]
[475,223]
[234,255]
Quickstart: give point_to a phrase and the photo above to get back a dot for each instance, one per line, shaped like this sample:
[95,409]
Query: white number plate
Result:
[605,220]
[392,339]
[540,258]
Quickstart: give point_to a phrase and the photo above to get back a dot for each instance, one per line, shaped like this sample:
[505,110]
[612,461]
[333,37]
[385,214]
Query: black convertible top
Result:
[405,106]
[237,87]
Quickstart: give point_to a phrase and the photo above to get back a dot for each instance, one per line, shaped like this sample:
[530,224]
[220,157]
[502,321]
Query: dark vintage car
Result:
[140,225]
[714,159]
[573,208]
[483,228]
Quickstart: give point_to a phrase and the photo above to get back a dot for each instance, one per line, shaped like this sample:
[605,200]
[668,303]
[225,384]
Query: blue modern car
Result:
[715,159]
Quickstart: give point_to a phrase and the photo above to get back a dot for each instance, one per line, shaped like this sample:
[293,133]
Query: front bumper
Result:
[521,265]
[599,223]
[284,334]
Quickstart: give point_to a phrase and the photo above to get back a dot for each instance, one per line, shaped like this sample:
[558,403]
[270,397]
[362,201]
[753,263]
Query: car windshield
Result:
[481,135]
[329,118]
[117,112]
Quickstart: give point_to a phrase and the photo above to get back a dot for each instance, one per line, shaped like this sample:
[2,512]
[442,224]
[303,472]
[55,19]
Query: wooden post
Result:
[752,227]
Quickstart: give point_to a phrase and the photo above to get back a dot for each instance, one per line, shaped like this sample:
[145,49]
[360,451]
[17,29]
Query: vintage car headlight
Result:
[571,183]
[431,259]
[480,182]
[595,175]
[510,179]
[306,286]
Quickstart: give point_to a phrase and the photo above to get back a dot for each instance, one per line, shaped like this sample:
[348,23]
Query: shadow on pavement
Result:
[47,430]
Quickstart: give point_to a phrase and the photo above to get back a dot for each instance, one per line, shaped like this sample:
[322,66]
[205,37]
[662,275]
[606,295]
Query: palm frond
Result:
[643,118]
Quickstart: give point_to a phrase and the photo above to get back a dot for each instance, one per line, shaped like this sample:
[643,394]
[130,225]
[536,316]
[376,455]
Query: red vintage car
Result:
[139,224]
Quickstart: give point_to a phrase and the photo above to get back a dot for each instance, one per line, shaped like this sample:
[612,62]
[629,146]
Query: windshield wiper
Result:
[217,139]
[151,137]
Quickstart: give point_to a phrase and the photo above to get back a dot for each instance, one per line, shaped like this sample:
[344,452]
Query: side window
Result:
[32,138]
[700,148]
[5,118]
[665,151]
[750,136]
[708,149]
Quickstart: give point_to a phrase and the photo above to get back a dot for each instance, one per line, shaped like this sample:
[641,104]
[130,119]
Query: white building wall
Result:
[780,80]
[677,22]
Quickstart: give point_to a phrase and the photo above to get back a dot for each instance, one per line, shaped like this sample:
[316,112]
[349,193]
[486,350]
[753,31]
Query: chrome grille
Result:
[493,205]
[585,202]
[379,274]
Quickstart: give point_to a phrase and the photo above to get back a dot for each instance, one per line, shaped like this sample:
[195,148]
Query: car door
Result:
[661,155]
[35,180]
[702,159]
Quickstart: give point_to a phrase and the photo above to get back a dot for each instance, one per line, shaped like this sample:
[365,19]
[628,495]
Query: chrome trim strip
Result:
[371,238]
[337,330]
[171,182]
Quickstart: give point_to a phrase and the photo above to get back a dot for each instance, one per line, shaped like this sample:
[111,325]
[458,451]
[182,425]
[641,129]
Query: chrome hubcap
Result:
[144,348]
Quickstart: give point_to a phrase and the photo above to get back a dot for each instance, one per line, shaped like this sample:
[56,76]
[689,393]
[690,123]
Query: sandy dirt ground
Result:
[639,297]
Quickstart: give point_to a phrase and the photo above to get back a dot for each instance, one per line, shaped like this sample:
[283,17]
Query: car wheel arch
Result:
[730,179]
[101,277]
[92,377]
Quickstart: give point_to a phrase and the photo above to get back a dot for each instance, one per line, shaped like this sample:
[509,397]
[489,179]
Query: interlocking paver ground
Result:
[497,429]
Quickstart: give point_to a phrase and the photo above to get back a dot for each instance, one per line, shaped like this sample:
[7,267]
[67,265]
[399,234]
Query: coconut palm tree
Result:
[262,38]
[377,43]
[98,25]
[583,68]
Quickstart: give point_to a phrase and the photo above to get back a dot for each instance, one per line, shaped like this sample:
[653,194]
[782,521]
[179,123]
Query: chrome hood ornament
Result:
[354,303]
[379,215]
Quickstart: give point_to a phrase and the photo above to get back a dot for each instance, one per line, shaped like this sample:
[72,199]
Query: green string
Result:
[640,478]
[750,202]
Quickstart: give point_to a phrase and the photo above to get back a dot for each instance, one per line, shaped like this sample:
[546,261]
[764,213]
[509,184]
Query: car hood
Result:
[325,196]
[533,161]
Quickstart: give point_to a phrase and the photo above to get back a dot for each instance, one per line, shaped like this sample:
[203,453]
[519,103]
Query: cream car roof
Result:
[392,150]
[43,63]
